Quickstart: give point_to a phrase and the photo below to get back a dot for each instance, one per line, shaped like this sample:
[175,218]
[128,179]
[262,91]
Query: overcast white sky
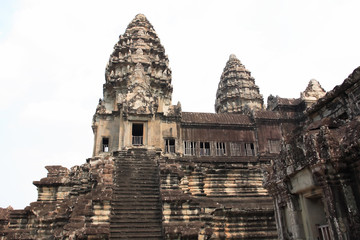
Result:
[53,56]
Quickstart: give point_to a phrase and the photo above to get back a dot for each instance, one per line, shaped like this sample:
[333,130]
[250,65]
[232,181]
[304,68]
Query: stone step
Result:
[138,161]
[136,177]
[135,196]
[135,202]
[137,185]
[135,173]
[130,218]
[125,169]
[136,192]
[137,207]
[142,236]
[133,185]
[140,174]
[133,182]
[124,222]
[131,213]
[134,213]
[135,199]
[138,231]
[127,172]
[137,164]
[141,227]
[148,183]
[132,169]
[118,227]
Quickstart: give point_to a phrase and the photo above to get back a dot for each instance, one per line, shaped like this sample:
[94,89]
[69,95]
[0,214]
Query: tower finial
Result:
[232,57]
[140,16]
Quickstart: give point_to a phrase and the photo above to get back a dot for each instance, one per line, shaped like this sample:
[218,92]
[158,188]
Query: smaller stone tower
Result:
[312,93]
[237,90]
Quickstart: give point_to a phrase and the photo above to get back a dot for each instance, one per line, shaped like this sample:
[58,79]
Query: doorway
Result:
[137,134]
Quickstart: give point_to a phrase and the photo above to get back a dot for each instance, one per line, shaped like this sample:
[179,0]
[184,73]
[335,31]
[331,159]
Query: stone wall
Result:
[215,198]
[199,175]
[72,204]
[315,181]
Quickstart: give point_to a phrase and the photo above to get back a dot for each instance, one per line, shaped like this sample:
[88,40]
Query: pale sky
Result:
[53,56]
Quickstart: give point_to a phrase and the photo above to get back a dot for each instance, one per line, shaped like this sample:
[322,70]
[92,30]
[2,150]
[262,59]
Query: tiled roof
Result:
[267,114]
[274,115]
[215,118]
[288,101]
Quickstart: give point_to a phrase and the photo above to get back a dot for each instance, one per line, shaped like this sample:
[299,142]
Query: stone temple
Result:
[290,171]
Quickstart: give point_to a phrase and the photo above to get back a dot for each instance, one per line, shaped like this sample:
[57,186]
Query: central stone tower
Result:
[137,92]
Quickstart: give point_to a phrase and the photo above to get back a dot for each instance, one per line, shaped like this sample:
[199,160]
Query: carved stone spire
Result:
[237,90]
[138,77]
[313,91]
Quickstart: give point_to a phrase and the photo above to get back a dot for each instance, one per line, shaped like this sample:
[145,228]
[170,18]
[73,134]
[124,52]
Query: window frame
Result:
[168,148]
[189,148]
[204,150]
[105,147]
[220,149]
[137,140]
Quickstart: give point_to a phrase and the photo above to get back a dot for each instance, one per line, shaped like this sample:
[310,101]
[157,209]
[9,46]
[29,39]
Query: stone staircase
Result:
[136,206]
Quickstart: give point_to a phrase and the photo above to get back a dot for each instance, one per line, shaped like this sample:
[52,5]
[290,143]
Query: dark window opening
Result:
[169,145]
[220,149]
[249,149]
[105,144]
[204,149]
[137,133]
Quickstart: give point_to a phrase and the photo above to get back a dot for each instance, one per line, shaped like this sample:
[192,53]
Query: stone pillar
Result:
[294,218]
[334,206]
[352,209]
[280,221]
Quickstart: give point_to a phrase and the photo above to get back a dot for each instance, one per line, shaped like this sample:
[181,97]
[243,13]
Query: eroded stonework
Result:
[138,77]
[315,180]
[160,173]
[72,204]
[237,92]
[312,93]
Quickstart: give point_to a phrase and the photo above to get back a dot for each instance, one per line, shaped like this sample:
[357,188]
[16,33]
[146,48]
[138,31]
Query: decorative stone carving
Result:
[312,93]
[100,107]
[151,69]
[318,169]
[72,204]
[237,89]
[160,173]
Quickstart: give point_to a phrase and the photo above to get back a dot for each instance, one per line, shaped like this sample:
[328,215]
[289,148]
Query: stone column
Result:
[336,213]
[352,209]
[294,216]
[280,221]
